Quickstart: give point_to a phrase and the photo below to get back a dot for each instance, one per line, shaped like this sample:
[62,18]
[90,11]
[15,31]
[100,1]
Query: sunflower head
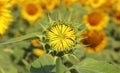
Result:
[117,5]
[31,11]
[96,3]
[95,41]
[62,37]
[49,5]
[62,34]
[7,3]
[69,2]
[96,20]
[5,17]
[116,18]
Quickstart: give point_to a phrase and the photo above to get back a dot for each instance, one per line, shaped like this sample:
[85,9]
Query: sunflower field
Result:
[59,36]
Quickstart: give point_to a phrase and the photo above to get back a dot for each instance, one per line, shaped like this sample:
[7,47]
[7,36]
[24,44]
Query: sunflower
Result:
[117,5]
[96,20]
[108,6]
[116,18]
[96,3]
[35,43]
[5,17]
[62,37]
[95,41]
[38,52]
[49,5]
[69,2]
[8,3]
[31,11]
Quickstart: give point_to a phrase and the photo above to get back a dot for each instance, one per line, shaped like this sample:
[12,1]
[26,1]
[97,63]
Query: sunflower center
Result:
[61,37]
[118,16]
[32,9]
[1,4]
[95,1]
[94,18]
[93,39]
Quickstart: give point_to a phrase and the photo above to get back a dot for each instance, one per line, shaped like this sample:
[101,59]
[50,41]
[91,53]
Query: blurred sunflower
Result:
[31,11]
[8,3]
[5,17]
[108,6]
[117,5]
[49,5]
[69,2]
[96,3]
[38,52]
[95,40]
[96,20]
[62,37]
[116,17]
[35,43]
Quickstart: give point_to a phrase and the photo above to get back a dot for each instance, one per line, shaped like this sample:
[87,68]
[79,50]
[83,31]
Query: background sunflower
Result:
[95,41]
[96,20]
[5,17]
[66,36]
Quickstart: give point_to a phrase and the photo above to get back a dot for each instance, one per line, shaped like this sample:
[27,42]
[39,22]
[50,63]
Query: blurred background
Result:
[101,19]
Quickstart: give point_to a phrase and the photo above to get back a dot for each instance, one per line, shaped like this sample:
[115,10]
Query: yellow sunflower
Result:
[31,11]
[5,17]
[49,5]
[38,52]
[35,42]
[8,3]
[96,20]
[108,6]
[95,41]
[62,37]
[116,17]
[69,2]
[117,5]
[96,3]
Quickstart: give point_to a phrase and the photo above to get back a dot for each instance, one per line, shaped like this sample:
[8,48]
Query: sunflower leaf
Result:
[21,38]
[93,66]
[6,63]
[60,68]
[45,64]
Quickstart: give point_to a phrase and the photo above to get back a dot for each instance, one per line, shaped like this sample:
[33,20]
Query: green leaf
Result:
[18,54]
[45,64]
[79,53]
[6,64]
[21,38]
[93,66]
[71,58]
[60,68]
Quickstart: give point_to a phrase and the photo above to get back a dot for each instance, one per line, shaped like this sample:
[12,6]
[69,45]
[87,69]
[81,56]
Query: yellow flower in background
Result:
[69,2]
[108,6]
[62,37]
[5,17]
[117,5]
[85,3]
[49,5]
[23,2]
[38,52]
[95,41]
[31,11]
[7,3]
[96,3]
[116,17]
[35,42]
[96,20]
